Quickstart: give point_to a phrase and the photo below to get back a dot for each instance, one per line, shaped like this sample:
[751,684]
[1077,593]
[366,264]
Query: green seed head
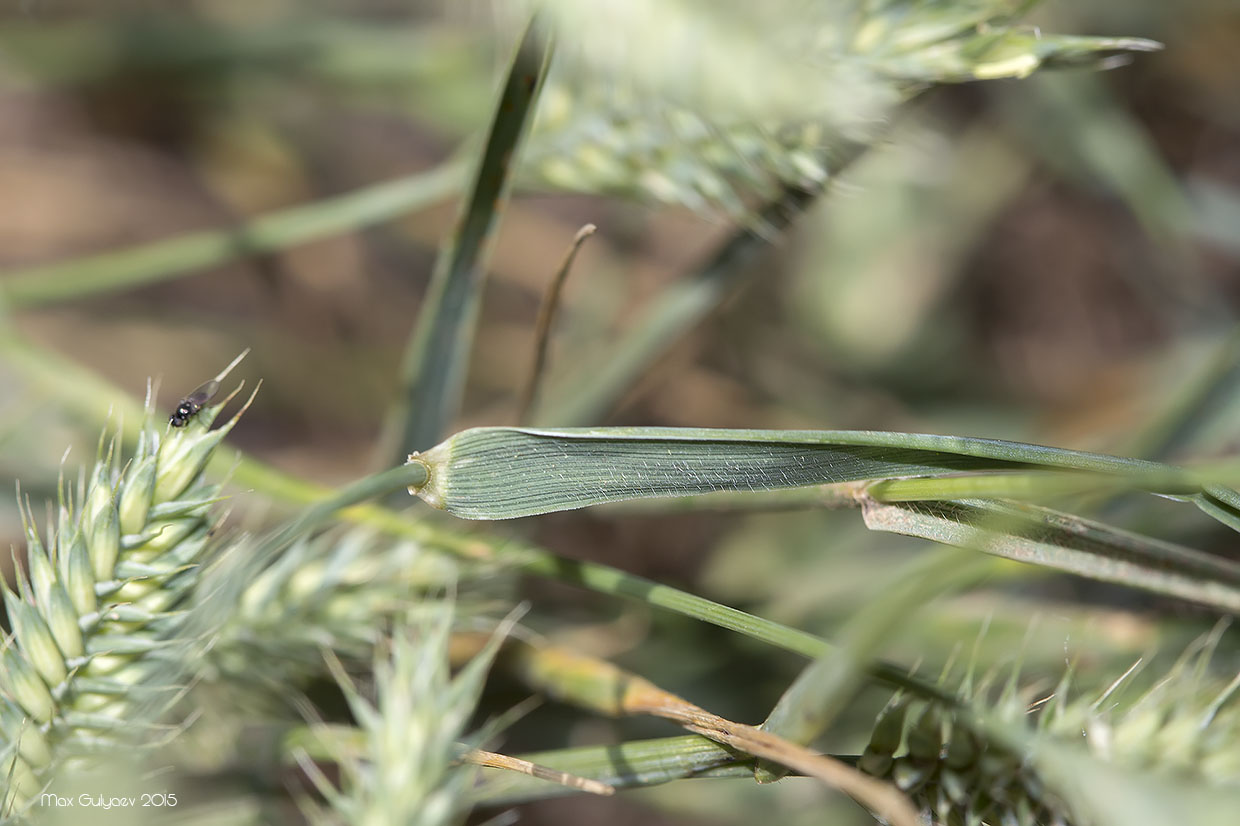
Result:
[955,767]
[97,606]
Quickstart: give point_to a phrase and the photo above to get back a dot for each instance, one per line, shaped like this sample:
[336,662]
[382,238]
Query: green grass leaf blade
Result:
[164,260]
[437,357]
[1066,543]
[501,473]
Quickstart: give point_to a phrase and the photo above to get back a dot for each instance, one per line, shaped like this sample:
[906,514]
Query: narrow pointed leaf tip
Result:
[503,473]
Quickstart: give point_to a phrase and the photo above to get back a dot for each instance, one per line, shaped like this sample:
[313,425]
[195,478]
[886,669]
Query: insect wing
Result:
[203,394]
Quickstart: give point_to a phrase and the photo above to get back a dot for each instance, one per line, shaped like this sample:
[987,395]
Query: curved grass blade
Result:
[498,473]
[501,473]
[437,357]
[163,260]
[1066,543]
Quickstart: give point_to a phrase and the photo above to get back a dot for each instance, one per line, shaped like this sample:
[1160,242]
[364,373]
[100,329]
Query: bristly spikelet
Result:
[672,155]
[1187,726]
[94,607]
[337,591]
[713,105]
[402,766]
[340,591]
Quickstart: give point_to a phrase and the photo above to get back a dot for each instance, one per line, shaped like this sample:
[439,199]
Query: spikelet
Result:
[710,106]
[672,155]
[1187,726]
[338,591]
[96,605]
[399,765]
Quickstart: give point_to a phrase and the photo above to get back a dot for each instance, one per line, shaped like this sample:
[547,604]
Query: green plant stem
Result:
[163,260]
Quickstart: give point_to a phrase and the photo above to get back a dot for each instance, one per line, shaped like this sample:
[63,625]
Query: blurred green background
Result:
[1054,259]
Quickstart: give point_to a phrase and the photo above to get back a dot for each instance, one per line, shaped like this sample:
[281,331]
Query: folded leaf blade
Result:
[503,473]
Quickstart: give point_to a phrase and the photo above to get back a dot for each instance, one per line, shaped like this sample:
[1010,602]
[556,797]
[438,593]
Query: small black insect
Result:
[192,403]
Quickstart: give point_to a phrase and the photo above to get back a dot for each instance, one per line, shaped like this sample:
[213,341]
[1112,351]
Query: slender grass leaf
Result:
[1067,543]
[1035,486]
[185,254]
[437,357]
[1219,503]
[501,473]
